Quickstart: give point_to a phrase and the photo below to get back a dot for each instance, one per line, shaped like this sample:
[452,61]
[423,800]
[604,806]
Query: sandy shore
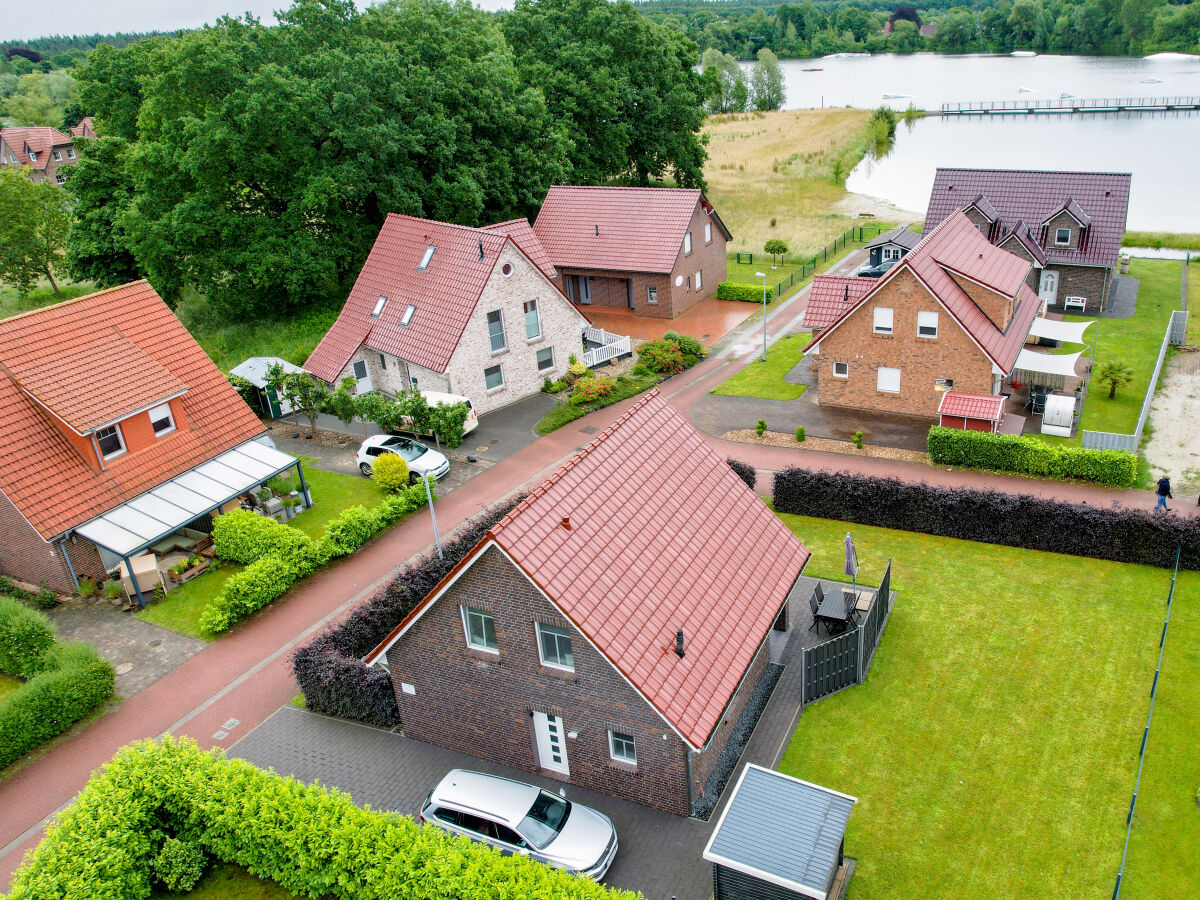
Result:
[855,204]
[1174,447]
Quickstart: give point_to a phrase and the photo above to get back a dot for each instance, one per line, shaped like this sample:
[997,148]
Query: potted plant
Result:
[114,591]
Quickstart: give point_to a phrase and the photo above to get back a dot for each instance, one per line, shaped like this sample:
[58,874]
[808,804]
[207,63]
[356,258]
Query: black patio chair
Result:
[814,604]
[1039,403]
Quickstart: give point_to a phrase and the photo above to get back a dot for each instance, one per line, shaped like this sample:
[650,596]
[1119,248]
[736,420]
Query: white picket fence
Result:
[611,346]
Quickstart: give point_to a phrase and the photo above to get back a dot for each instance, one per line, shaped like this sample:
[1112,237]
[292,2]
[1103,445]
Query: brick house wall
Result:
[608,290]
[979,220]
[482,703]
[952,354]
[1089,282]
[50,173]
[26,557]
[708,258]
[1062,220]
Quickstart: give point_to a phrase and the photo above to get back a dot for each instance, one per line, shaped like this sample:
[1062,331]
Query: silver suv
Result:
[518,818]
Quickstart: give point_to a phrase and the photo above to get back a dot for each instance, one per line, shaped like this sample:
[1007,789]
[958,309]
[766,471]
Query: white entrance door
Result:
[1048,290]
[551,743]
[362,378]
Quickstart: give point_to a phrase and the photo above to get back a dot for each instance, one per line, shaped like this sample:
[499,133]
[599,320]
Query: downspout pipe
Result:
[62,548]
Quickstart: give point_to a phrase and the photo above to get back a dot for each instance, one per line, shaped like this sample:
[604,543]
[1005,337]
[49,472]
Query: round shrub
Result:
[591,389]
[180,864]
[390,472]
[662,357]
[688,344]
[577,369]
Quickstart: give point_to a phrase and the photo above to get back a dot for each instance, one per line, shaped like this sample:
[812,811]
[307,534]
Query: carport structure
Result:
[972,412]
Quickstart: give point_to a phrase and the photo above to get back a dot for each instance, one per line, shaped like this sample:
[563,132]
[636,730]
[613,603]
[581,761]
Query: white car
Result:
[518,818]
[421,460]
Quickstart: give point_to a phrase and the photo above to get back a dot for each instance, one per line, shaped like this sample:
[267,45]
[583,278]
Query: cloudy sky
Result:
[21,21]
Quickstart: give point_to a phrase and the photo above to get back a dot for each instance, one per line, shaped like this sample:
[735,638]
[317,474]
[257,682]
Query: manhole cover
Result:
[154,643]
[124,668]
[481,448]
[590,429]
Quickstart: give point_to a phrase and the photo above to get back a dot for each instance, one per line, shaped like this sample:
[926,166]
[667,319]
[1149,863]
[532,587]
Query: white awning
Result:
[168,507]
[1046,363]
[1071,332]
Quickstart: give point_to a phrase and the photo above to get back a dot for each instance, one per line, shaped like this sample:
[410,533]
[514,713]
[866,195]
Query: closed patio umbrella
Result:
[851,557]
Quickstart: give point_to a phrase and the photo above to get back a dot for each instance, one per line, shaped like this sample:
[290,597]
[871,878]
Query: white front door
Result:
[1048,290]
[362,377]
[551,743]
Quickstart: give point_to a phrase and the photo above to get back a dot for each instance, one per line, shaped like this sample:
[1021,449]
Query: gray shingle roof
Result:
[901,237]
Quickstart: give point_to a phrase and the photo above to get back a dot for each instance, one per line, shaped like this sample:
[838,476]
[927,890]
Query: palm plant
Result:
[1115,375]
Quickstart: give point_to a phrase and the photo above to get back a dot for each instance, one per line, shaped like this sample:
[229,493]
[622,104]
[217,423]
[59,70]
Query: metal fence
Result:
[872,625]
[859,234]
[1175,335]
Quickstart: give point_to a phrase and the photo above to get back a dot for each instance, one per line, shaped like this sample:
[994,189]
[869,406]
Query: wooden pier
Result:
[1068,105]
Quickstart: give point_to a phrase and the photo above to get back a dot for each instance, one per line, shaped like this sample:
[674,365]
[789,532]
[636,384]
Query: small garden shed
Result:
[972,412]
[254,370]
[780,838]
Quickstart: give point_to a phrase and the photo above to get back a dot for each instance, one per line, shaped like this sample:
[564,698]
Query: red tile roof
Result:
[1100,199]
[957,247]
[624,229]
[1022,235]
[832,295]
[972,406]
[40,471]
[40,140]
[85,128]
[523,236]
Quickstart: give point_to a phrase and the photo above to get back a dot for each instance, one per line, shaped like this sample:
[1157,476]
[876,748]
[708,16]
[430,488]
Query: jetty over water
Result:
[1068,105]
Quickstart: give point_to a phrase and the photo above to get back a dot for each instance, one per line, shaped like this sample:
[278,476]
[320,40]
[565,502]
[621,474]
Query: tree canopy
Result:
[32,229]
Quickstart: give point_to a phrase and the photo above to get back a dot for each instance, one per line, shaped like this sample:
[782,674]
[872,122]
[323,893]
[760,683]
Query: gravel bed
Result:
[326,438]
[779,439]
[737,742]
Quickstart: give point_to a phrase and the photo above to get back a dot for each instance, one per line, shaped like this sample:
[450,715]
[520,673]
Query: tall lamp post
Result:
[763,276]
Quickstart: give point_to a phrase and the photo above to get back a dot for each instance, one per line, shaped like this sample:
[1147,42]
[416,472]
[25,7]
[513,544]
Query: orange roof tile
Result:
[523,236]
[972,406]
[832,295]
[40,472]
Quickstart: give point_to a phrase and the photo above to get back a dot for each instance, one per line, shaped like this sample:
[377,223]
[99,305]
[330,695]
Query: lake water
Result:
[1160,149]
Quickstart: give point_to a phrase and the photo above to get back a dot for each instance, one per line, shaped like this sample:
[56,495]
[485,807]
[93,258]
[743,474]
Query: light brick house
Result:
[459,310]
[1067,225]
[656,251]
[951,315]
[116,430]
[552,646]
[46,152]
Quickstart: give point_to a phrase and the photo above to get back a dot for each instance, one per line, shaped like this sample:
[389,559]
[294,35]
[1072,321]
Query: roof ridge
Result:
[62,303]
[627,187]
[1031,171]
[475,228]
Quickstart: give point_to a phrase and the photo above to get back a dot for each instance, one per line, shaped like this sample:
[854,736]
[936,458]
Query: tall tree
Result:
[33,229]
[767,81]
[98,248]
[626,87]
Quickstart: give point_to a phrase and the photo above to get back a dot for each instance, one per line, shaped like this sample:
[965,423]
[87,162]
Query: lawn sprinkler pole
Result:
[763,276]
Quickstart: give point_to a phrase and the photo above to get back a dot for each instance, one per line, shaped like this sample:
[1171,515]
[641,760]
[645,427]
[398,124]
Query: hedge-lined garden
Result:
[63,682]
[277,556]
[993,517]
[1027,455]
[170,808]
[330,670]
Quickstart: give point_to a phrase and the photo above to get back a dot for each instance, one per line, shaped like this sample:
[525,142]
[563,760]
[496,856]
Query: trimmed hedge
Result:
[1027,455]
[242,536]
[26,637]
[310,840]
[330,670]
[744,471]
[749,293]
[993,517]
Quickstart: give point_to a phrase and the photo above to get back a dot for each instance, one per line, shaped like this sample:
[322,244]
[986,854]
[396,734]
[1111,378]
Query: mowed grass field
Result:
[993,747]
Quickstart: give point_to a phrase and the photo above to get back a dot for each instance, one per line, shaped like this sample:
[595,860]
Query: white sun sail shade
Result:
[168,507]
[1047,363]
[1072,332]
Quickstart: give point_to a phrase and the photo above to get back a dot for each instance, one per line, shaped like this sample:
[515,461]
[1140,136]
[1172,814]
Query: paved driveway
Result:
[660,854]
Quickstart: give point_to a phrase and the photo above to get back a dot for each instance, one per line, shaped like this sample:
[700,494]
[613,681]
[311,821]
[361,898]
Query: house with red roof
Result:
[1067,225]
[116,433]
[656,251]
[45,152]
[951,315]
[85,129]
[611,629]
[453,309]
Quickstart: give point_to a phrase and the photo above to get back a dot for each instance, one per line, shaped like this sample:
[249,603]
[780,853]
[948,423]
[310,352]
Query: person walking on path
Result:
[1164,491]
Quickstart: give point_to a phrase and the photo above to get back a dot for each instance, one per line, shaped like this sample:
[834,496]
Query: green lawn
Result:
[332,492]
[1193,330]
[229,882]
[7,685]
[42,295]
[765,379]
[993,747]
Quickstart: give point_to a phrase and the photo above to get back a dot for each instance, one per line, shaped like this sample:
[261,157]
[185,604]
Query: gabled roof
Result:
[1035,196]
[40,472]
[444,294]
[972,406]
[832,295]
[624,229]
[1023,236]
[663,536]
[901,237]
[1072,209]
[984,205]
[523,236]
[85,128]
[40,140]
[956,249]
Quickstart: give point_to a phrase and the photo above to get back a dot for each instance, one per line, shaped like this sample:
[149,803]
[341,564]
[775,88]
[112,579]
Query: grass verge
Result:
[225,881]
[1161,239]
[42,295]
[627,386]
[1008,717]
[765,379]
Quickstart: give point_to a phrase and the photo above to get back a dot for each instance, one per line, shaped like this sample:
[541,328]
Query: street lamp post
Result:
[436,536]
[763,276]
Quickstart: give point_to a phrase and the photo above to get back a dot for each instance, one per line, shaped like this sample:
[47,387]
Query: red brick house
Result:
[1067,225]
[612,628]
[116,431]
[656,251]
[85,129]
[46,152]
[951,315]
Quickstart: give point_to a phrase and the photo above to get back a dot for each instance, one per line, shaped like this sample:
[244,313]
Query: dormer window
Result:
[408,314]
[426,258]
[379,305]
[161,419]
[1062,236]
[33,155]
[110,441]
[70,153]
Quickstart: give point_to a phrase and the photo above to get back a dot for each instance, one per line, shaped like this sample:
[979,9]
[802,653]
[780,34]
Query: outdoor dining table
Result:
[833,608]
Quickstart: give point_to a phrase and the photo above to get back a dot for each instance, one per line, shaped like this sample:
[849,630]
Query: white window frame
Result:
[537,319]
[890,253]
[538,362]
[927,319]
[162,407]
[883,320]
[425,260]
[708,232]
[33,155]
[612,747]
[409,311]
[879,380]
[699,279]
[1058,233]
[471,645]
[845,373]
[687,243]
[57,154]
[70,153]
[652,294]
[60,178]
[497,387]
[379,305]
[499,313]
[116,429]
[542,657]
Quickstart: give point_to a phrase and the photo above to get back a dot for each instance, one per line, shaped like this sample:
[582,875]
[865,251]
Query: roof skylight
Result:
[426,258]
[379,305]
[408,314]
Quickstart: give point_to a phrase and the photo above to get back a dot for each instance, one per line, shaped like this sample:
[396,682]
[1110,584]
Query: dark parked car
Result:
[877,271]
